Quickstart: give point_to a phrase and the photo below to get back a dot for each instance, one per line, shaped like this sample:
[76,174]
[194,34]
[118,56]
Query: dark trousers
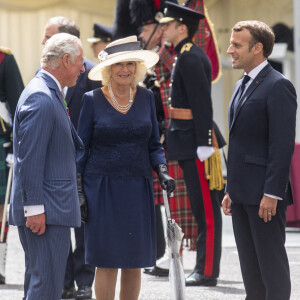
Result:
[206,210]
[262,254]
[45,261]
[76,269]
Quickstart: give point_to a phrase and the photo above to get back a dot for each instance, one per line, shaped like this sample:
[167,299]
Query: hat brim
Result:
[148,57]
[165,20]
[94,40]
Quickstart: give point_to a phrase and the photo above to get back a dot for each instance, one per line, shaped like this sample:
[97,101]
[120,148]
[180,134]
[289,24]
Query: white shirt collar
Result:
[253,73]
[49,74]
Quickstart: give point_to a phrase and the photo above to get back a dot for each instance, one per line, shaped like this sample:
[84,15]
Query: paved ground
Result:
[230,285]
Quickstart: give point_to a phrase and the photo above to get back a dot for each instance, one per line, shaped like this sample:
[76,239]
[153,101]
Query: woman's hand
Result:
[166,181]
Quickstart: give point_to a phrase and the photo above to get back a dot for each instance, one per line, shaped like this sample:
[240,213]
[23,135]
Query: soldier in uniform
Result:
[190,136]
[11,87]
[146,15]
[101,38]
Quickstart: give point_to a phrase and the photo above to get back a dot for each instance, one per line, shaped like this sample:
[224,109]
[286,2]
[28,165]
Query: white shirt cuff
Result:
[272,196]
[32,210]
[204,152]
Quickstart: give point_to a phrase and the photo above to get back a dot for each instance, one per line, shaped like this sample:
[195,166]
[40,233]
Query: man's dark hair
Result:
[190,28]
[260,32]
[65,25]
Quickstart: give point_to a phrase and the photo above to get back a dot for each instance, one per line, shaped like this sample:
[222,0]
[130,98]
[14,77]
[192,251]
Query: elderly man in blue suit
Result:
[77,270]
[262,118]
[44,199]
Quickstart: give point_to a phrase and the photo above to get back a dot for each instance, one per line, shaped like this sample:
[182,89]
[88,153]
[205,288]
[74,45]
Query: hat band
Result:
[123,47]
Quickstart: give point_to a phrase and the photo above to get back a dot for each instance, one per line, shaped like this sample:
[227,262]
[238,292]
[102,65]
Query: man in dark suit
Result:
[262,116]
[44,199]
[76,271]
[190,136]
[11,87]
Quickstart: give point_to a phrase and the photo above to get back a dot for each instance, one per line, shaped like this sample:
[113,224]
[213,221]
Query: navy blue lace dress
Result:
[121,150]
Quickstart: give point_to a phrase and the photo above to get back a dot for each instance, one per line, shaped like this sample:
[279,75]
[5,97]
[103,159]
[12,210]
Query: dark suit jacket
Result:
[262,139]
[75,93]
[46,146]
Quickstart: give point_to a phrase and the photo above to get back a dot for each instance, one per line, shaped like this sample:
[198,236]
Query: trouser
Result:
[262,254]
[206,210]
[77,270]
[45,261]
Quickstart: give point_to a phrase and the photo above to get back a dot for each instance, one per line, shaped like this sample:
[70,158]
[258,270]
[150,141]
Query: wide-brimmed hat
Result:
[126,49]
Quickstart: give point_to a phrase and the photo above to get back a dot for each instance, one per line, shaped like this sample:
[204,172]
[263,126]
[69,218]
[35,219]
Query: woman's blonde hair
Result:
[139,75]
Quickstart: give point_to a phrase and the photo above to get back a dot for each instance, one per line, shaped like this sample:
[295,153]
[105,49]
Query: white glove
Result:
[10,159]
[204,152]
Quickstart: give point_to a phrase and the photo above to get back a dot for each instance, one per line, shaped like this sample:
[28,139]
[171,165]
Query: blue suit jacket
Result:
[262,139]
[44,155]
[76,92]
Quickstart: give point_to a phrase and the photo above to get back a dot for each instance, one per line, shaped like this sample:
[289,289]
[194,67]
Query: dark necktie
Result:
[238,98]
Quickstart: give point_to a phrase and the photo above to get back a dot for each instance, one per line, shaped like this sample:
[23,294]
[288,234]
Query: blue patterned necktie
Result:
[238,98]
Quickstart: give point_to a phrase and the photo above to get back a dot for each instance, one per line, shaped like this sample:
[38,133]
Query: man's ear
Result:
[183,28]
[258,48]
[66,60]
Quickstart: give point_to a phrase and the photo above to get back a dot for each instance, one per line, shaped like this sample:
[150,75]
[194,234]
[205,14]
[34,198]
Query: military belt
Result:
[180,113]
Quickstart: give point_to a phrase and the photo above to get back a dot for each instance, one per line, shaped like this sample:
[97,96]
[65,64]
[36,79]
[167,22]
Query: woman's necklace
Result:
[121,108]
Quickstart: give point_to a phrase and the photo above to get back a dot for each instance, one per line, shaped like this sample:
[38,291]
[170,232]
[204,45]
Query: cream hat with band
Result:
[126,49]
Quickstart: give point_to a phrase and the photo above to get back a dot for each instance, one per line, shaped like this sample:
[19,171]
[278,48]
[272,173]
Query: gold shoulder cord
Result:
[5,50]
[186,47]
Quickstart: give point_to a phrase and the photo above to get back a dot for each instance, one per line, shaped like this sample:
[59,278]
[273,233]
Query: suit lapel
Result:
[53,86]
[254,84]
[234,94]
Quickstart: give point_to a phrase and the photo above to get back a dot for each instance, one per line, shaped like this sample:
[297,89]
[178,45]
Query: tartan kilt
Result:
[179,204]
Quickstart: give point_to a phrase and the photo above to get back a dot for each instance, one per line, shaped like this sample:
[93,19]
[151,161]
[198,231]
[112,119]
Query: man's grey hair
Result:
[65,25]
[59,45]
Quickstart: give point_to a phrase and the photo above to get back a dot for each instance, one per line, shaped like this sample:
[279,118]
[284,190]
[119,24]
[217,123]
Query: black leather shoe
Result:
[68,293]
[197,279]
[157,271]
[84,292]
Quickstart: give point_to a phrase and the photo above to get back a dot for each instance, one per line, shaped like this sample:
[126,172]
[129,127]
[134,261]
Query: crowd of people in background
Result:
[95,145]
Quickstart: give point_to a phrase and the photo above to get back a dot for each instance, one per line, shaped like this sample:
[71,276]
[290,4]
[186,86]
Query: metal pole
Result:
[297,59]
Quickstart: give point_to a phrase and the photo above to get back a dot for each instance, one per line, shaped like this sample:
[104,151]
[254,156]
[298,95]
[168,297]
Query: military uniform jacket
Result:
[190,88]
[11,84]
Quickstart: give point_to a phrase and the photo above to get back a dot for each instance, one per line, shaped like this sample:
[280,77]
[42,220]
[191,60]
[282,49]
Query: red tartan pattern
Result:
[179,204]
[204,37]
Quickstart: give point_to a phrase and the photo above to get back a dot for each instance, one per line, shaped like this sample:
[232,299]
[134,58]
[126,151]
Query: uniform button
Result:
[170,84]
[173,64]
[169,98]
[209,142]
[176,57]
[209,133]
[209,130]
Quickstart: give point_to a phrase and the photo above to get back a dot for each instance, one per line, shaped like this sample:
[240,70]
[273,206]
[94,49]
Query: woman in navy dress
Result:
[119,129]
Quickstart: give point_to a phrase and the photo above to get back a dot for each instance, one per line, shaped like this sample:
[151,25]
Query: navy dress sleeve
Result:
[156,151]
[85,128]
